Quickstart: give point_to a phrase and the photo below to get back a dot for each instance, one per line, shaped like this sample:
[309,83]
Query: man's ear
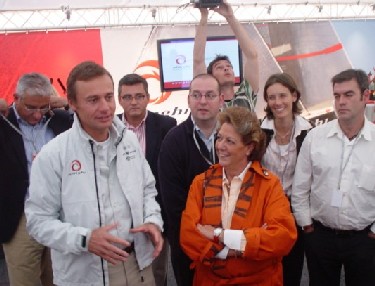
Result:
[72,104]
[221,97]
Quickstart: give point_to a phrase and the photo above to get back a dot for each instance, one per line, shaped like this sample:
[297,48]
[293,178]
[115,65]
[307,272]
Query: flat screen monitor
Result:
[176,59]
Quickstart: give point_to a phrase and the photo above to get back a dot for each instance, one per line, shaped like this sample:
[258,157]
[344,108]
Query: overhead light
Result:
[67,11]
[153,13]
[320,8]
[269,10]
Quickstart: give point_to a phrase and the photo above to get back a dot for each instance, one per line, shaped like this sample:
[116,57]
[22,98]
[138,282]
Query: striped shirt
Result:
[34,137]
[140,131]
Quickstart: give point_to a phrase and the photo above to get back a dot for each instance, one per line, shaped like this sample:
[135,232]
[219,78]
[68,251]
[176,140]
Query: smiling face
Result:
[95,106]
[349,101]
[280,100]
[231,151]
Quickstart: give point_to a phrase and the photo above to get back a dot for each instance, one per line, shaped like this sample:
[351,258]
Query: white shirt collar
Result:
[241,175]
[365,132]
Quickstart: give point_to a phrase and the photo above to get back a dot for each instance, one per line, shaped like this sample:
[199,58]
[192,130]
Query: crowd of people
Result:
[88,197]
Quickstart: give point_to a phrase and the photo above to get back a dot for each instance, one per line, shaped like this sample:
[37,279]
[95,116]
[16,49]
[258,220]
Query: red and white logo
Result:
[76,166]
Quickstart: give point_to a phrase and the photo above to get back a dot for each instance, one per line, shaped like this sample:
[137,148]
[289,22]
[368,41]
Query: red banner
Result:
[53,54]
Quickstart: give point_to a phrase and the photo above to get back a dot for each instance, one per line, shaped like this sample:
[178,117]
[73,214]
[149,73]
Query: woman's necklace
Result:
[283,139]
[288,138]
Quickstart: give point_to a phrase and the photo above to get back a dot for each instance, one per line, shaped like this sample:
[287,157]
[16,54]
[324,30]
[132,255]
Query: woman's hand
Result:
[206,230]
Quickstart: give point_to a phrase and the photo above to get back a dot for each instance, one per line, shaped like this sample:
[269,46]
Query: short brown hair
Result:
[287,81]
[84,71]
[358,75]
[132,79]
[247,125]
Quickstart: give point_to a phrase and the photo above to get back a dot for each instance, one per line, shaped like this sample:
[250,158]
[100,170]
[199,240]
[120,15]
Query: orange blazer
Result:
[262,211]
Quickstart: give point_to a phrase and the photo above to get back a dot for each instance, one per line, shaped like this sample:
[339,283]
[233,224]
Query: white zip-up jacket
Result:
[64,203]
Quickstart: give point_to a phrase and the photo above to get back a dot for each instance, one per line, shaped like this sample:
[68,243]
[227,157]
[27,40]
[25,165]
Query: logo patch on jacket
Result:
[130,152]
[76,167]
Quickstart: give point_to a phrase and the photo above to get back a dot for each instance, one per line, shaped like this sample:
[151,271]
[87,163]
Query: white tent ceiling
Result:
[29,15]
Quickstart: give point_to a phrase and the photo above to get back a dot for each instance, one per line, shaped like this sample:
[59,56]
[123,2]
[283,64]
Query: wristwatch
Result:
[217,232]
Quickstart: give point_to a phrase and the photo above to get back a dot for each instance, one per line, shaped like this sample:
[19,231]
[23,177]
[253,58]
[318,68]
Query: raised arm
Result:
[251,65]
[199,65]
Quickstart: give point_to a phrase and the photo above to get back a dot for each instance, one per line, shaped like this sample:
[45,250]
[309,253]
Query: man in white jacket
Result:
[92,193]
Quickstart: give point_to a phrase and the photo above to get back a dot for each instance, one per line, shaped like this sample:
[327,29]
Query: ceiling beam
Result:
[67,18]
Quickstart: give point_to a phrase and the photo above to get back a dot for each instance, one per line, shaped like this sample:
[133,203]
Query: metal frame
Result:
[66,18]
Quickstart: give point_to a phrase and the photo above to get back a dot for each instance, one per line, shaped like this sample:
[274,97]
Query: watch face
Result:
[217,231]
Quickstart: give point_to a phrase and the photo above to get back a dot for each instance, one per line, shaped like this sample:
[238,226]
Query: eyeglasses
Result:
[198,96]
[137,97]
[32,109]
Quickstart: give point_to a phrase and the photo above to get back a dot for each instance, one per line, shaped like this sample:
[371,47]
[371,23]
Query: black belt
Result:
[341,232]
[129,249]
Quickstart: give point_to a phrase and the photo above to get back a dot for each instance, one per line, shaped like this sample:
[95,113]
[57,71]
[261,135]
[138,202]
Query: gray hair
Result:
[34,84]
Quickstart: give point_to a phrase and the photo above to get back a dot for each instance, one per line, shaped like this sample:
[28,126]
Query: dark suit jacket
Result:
[157,126]
[14,177]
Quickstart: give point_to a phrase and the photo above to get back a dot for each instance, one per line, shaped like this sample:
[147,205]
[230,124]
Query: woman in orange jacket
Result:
[237,223]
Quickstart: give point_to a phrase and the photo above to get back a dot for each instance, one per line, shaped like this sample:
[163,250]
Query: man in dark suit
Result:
[29,125]
[150,129]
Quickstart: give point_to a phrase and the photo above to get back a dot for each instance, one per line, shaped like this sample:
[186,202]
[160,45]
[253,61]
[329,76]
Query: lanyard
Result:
[291,139]
[344,164]
[209,162]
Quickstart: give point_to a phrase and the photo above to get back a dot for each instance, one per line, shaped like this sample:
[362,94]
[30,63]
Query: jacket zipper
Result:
[97,197]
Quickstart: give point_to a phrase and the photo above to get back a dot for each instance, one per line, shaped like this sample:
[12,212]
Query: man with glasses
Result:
[150,129]
[29,125]
[186,151]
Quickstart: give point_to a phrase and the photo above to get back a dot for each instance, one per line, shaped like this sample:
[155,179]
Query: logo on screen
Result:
[180,59]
